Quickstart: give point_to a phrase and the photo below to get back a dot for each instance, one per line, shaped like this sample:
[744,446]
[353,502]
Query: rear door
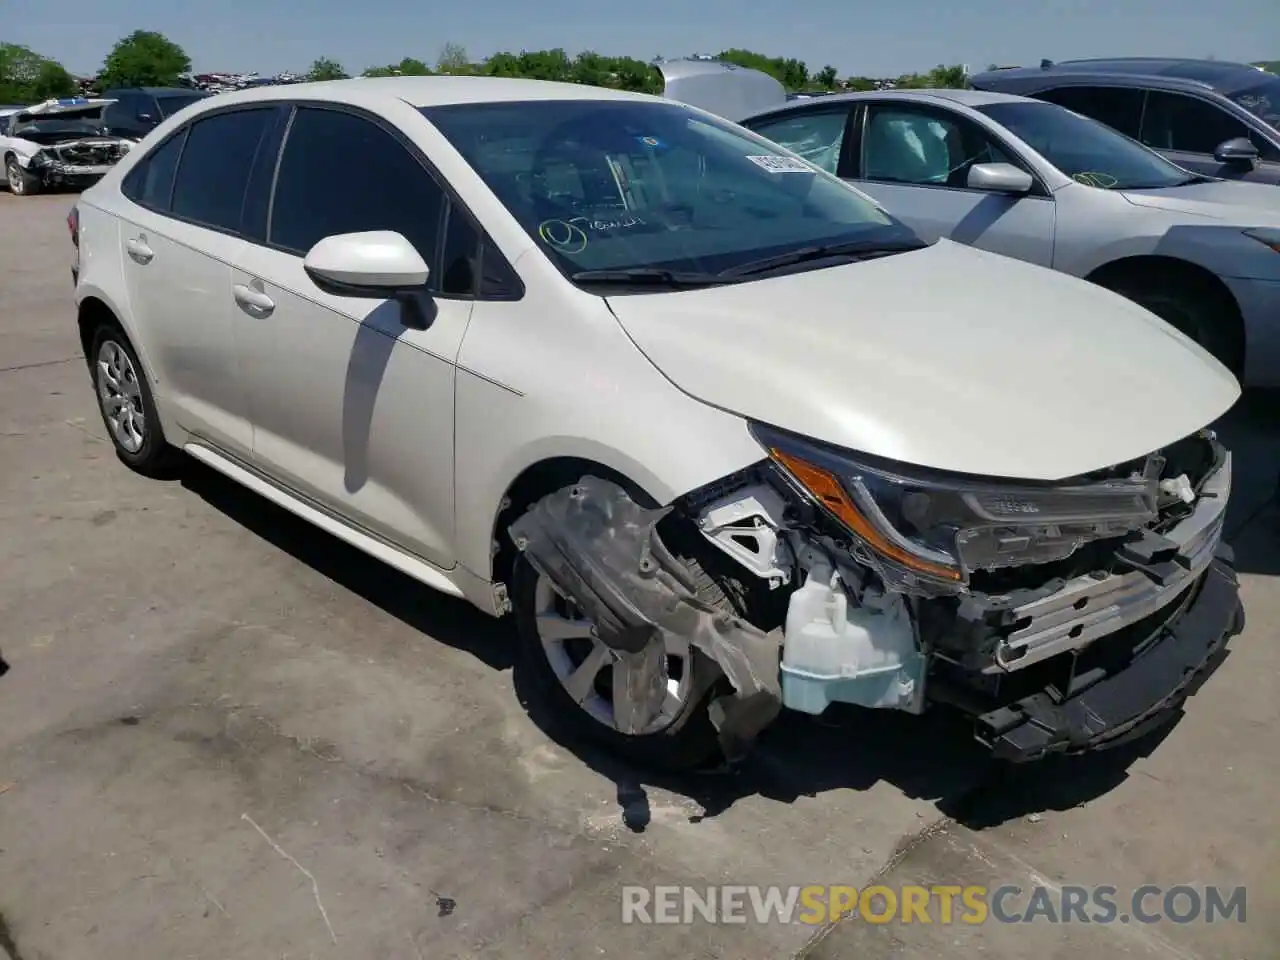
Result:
[179,237]
[915,159]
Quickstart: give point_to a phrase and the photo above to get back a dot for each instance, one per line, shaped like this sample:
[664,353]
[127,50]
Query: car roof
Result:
[1221,75]
[430,91]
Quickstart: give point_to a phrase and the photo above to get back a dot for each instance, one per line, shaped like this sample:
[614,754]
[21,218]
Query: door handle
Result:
[138,250]
[253,301]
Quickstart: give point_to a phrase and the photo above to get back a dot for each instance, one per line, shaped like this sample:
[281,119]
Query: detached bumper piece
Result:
[1127,692]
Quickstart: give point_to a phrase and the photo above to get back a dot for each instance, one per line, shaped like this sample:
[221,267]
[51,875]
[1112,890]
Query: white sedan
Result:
[722,433]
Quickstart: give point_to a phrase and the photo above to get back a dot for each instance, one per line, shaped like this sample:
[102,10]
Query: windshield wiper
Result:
[650,276]
[856,249]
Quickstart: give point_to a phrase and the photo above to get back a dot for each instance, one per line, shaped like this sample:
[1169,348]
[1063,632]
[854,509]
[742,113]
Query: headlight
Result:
[926,532]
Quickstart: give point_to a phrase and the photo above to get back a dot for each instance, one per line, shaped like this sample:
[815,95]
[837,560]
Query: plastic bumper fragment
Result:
[601,549]
[1136,698]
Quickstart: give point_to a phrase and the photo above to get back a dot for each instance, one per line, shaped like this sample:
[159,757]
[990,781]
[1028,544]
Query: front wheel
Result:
[575,676]
[21,182]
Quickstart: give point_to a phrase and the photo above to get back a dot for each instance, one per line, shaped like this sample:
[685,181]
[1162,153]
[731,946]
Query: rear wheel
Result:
[21,182]
[575,675]
[1202,313]
[126,403]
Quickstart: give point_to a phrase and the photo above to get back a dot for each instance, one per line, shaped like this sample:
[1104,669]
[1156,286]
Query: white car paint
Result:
[868,357]
[406,441]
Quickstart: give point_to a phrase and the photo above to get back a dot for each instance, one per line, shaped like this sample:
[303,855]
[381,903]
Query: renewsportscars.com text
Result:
[942,904]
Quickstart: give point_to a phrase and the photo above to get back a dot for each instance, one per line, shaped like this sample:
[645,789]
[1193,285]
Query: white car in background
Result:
[723,434]
[58,143]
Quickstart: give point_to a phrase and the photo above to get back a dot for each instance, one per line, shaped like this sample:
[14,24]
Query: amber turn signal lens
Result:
[823,485]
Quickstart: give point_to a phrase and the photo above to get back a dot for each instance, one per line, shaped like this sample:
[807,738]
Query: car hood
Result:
[1248,204]
[946,357]
[725,89]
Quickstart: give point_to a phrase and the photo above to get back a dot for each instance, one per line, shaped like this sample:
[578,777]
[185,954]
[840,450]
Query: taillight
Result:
[73,224]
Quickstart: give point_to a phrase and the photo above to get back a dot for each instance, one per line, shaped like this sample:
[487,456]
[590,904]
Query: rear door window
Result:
[210,185]
[1118,107]
[150,183]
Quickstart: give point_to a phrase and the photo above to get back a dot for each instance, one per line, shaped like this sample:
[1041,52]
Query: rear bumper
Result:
[1110,704]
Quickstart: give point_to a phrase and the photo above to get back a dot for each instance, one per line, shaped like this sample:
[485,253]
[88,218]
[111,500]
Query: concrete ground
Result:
[225,735]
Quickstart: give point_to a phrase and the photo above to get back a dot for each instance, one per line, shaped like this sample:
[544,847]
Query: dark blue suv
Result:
[1210,116]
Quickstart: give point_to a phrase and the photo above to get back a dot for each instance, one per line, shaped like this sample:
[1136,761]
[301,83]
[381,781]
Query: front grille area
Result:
[89,154]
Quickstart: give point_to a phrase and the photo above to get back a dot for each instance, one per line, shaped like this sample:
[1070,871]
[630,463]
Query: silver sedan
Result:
[1032,180]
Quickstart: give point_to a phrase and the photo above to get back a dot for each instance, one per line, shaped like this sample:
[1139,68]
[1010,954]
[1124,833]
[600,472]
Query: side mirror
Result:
[378,264]
[1236,150]
[999,178]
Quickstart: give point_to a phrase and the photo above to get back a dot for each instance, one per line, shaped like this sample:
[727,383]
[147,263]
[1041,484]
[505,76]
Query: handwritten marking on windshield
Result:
[1103,181]
[565,237]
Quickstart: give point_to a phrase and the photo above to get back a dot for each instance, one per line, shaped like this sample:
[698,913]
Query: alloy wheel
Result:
[121,397]
[589,671]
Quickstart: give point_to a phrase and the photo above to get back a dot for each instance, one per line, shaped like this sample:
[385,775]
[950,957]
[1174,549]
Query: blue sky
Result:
[868,37]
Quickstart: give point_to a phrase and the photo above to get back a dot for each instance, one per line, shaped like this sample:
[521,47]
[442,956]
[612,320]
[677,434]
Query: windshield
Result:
[1085,150]
[171,103]
[627,185]
[1262,100]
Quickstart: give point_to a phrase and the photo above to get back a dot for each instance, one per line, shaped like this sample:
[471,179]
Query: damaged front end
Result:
[77,163]
[1060,616]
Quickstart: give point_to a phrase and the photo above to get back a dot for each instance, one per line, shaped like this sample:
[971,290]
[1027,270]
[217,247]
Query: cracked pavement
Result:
[227,735]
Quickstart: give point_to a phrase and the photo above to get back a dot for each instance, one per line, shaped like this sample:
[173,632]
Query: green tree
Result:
[53,80]
[792,73]
[591,68]
[144,59]
[826,77]
[546,65]
[27,77]
[502,64]
[951,77]
[632,74]
[940,77]
[408,67]
[453,59]
[325,68]
[859,83]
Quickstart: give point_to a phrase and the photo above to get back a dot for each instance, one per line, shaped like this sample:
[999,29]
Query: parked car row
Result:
[723,433]
[1035,181]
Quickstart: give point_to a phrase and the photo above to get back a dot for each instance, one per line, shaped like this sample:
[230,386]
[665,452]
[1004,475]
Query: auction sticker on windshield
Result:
[781,164]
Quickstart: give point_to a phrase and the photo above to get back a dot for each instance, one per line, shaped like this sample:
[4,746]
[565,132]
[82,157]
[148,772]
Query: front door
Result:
[915,160]
[352,408]
[1188,130]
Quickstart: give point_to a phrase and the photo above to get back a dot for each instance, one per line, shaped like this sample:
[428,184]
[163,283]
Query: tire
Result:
[21,183]
[1202,313]
[687,741]
[127,406]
